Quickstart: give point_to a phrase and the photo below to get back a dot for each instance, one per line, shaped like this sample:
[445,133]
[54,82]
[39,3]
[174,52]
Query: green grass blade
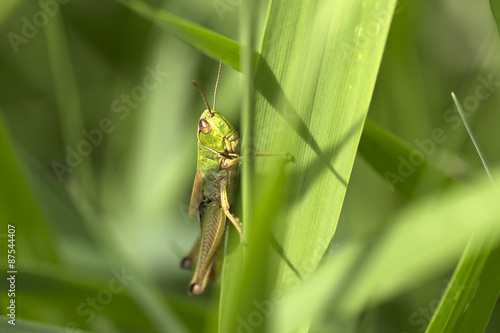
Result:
[495,9]
[473,291]
[314,84]
[248,28]
[473,138]
[209,42]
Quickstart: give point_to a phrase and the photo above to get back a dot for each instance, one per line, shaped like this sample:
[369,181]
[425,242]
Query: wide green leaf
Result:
[314,81]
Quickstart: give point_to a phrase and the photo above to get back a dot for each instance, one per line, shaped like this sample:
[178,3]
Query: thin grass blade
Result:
[473,290]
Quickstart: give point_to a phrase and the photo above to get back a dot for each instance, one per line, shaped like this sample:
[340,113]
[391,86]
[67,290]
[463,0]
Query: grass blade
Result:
[473,138]
[312,99]
[473,290]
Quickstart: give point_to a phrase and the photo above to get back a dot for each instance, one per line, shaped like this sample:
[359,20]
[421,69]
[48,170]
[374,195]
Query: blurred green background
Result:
[124,206]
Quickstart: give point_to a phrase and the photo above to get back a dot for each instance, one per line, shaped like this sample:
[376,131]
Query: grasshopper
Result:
[213,192]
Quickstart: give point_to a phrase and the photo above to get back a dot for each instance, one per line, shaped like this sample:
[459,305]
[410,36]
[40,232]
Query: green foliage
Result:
[104,88]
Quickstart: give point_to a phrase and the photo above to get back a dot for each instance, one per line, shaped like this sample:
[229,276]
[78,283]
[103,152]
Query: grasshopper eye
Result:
[204,126]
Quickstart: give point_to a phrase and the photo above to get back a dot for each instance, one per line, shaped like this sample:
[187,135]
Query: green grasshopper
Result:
[213,192]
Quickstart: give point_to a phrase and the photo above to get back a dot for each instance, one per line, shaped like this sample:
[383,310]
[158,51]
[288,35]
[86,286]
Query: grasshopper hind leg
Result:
[213,273]
[190,260]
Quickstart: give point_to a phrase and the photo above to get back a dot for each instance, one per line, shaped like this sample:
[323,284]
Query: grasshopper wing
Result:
[214,225]
[196,195]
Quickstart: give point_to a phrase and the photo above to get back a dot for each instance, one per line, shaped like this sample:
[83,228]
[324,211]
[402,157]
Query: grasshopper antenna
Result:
[217,83]
[203,95]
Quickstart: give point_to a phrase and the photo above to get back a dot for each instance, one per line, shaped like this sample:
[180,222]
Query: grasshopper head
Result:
[213,129]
